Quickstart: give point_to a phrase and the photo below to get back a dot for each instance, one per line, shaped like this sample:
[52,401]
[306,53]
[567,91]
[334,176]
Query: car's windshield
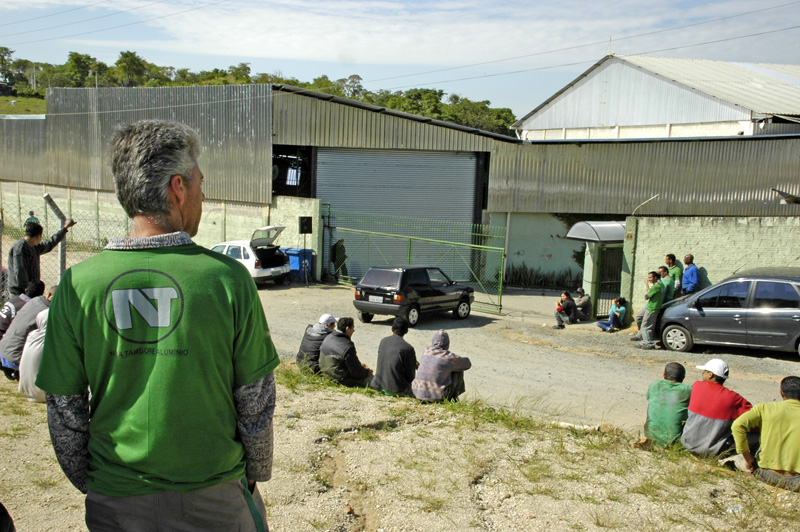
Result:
[382,279]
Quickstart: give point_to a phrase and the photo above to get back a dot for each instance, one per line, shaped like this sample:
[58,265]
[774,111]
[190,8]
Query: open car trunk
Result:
[263,244]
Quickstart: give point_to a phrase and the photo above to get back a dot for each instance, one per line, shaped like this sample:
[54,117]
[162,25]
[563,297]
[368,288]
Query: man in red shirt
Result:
[712,410]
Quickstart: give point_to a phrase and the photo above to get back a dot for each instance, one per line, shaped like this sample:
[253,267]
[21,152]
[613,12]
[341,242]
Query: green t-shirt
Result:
[669,287]
[676,273]
[655,297]
[161,337]
[667,410]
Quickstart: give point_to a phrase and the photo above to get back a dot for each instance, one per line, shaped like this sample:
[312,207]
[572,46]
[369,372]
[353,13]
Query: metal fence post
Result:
[62,246]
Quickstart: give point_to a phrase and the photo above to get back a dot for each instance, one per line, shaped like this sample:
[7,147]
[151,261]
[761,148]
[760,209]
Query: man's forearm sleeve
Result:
[68,420]
[255,406]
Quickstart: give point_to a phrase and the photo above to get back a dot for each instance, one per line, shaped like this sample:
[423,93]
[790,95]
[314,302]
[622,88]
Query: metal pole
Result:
[62,246]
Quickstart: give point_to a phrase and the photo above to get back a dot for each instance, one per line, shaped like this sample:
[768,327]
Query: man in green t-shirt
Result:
[667,408]
[667,282]
[675,271]
[654,298]
[172,342]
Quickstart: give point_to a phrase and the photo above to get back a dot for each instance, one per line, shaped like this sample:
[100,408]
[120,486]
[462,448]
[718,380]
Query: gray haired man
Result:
[172,341]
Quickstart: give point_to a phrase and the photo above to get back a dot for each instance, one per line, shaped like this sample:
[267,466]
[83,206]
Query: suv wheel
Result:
[677,338]
[462,310]
[412,315]
[365,317]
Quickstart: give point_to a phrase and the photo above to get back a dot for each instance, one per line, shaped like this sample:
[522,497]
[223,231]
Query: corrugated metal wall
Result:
[619,94]
[234,123]
[22,151]
[720,177]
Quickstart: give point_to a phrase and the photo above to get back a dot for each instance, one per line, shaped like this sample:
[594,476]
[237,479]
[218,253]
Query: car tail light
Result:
[258,263]
[397,299]
[286,259]
[358,294]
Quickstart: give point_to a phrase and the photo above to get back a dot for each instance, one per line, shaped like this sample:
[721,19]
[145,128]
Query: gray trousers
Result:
[225,507]
[787,482]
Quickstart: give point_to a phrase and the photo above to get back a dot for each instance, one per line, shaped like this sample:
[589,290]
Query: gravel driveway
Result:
[578,374]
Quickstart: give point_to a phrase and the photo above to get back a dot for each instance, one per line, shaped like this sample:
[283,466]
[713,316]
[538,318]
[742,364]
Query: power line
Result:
[84,20]
[575,47]
[123,25]
[584,62]
[54,14]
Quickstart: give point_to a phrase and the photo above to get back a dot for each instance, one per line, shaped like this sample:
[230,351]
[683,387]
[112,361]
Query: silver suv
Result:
[758,308]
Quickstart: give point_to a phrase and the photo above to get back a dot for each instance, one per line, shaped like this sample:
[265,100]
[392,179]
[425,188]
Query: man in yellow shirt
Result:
[779,458]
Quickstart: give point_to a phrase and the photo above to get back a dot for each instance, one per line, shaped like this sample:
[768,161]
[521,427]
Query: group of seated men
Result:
[327,348]
[23,324]
[711,420]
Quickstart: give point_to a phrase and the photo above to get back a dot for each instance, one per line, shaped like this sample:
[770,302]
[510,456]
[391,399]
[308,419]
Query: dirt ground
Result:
[360,462]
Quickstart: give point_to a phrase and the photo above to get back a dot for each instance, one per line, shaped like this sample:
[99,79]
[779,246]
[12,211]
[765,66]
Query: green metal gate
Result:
[470,254]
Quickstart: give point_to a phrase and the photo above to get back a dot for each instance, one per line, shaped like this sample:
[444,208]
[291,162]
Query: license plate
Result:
[375,299]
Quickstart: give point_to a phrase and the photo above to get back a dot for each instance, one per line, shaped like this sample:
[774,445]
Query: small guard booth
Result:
[602,265]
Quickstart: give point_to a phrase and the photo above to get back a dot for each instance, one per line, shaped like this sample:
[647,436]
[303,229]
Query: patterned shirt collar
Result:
[178,238]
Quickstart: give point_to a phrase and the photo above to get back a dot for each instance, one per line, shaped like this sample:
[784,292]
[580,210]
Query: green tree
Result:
[78,68]
[351,86]
[240,74]
[479,115]
[5,63]
[131,69]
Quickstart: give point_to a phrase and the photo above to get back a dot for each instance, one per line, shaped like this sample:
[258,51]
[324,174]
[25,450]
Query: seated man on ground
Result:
[566,311]
[778,461]
[31,358]
[584,305]
[14,340]
[308,355]
[7,314]
[397,362]
[338,359]
[441,372]
[712,410]
[615,316]
[667,402]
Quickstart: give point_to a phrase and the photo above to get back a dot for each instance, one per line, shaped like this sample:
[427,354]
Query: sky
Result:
[514,53]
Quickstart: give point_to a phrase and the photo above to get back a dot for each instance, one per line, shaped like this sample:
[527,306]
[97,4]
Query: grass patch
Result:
[297,379]
[603,519]
[23,106]
[477,413]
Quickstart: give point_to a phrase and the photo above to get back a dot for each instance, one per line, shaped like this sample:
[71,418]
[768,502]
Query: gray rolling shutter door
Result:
[414,184]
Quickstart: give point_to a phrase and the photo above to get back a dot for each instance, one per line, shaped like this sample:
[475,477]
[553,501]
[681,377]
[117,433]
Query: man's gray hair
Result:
[144,156]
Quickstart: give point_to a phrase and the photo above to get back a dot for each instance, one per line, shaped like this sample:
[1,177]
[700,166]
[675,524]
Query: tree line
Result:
[23,77]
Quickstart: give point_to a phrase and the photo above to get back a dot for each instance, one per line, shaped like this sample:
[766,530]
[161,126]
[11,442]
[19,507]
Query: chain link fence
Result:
[470,254]
[96,223]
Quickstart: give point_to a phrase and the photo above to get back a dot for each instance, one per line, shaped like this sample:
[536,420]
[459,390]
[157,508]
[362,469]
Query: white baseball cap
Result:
[327,319]
[717,366]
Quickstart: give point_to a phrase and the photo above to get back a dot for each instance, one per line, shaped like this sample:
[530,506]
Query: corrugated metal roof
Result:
[763,88]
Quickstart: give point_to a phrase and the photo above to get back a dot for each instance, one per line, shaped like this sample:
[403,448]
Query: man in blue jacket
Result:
[690,282]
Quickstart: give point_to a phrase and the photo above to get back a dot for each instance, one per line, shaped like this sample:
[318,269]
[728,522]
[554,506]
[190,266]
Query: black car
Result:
[409,291]
[758,309]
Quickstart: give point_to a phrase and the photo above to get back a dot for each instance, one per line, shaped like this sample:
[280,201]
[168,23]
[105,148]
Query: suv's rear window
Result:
[382,279]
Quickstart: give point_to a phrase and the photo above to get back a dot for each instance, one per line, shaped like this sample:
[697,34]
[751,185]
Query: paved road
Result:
[579,374]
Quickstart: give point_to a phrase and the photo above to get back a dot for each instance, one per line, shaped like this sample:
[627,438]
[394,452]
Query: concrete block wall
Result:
[721,246]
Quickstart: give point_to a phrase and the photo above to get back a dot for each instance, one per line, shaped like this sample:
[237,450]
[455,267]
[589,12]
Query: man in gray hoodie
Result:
[308,355]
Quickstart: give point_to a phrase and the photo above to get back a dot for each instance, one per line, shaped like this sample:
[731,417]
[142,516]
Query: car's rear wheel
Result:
[462,310]
[412,315]
[677,338]
[365,317]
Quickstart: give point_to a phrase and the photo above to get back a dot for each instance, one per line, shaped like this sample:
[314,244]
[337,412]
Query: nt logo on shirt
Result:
[144,306]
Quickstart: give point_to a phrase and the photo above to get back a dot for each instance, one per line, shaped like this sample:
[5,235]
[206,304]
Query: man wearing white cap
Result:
[712,410]
[308,355]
